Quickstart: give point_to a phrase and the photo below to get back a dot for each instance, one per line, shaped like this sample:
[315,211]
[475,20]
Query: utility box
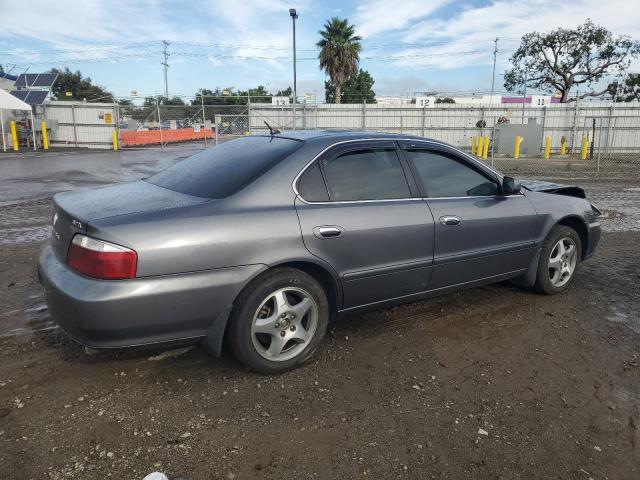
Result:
[506,138]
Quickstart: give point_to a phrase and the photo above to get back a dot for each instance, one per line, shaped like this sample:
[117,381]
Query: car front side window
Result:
[443,175]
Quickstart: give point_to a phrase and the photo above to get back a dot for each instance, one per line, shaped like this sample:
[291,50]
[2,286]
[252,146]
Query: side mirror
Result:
[510,186]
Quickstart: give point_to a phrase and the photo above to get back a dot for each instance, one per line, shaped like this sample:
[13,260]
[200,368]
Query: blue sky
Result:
[408,45]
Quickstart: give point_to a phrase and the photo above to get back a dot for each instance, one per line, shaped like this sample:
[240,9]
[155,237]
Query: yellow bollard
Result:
[563,146]
[516,148]
[585,148]
[547,148]
[45,138]
[480,146]
[115,141]
[14,135]
[485,150]
[473,145]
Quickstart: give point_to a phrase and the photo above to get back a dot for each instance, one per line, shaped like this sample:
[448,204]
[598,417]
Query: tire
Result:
[557,265]
[278,321]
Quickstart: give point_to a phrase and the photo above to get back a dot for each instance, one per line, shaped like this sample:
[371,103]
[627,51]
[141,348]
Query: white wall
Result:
[81,124]
[617,125]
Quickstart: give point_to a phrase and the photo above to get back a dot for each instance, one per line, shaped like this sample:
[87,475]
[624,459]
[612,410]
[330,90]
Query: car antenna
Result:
[272,131]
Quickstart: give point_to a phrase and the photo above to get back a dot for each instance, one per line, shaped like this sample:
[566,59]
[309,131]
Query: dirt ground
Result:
[492,383]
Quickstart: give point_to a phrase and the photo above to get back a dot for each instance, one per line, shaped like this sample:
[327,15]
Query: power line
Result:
[226,46]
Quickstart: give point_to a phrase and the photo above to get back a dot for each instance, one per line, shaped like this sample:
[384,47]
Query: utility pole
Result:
[524,89]
[294,16]
[493,76]
[166,66]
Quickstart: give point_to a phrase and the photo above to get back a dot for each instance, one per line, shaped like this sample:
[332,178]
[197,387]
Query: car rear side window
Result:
[223,170]
[312,187]
[444,176]
[366,175]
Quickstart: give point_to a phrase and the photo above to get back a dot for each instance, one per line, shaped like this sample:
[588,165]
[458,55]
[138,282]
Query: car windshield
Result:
[223,170]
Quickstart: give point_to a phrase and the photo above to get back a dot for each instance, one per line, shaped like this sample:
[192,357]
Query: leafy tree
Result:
[287,92]
[564,58]
[445,100]
[357,89]
[629,89]
[162,100]
[81,88]
[339,52]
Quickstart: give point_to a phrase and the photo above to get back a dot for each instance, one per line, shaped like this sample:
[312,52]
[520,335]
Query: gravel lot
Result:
[495,382]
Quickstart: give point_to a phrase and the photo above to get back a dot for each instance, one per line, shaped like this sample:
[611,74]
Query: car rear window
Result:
[223,170]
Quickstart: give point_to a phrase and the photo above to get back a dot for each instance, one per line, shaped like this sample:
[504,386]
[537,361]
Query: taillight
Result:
[98,259]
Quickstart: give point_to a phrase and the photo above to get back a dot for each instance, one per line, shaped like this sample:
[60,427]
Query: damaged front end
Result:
[559,189]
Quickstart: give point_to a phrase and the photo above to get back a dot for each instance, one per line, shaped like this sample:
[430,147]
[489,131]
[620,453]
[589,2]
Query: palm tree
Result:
[339,51]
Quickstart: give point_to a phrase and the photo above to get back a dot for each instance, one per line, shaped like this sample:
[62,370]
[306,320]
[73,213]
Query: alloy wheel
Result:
[562,261]
[284,324]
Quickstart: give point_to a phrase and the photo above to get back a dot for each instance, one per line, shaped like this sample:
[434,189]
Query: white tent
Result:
[9,102]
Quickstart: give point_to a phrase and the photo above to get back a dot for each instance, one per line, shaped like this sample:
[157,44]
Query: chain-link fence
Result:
[557,140]
[574,139]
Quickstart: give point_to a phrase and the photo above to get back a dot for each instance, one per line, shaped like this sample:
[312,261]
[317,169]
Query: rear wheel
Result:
[278,321]
[559,259]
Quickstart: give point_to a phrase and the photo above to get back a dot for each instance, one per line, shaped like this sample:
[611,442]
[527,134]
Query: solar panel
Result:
[21,94]
[36,80]
[32,97]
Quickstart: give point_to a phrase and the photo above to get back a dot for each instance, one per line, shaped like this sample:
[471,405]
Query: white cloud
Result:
[73,25]
[378,16]
[474,28]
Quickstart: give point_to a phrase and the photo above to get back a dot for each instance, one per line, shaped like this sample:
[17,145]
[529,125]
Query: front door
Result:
[479,233]
[360,212]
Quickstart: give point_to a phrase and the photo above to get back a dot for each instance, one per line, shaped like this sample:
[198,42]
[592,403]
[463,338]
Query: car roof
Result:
[345,134]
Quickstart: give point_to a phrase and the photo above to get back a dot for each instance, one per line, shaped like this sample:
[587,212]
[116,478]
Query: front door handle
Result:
[327,231]
[449,220]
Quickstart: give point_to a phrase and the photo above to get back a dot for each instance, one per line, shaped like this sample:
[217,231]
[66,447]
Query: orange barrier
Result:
[131,138]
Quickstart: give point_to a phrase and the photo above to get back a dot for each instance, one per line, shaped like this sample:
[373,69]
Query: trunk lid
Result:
[73,210]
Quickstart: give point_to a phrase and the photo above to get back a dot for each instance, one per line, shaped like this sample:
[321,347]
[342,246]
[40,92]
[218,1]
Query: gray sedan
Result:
[257,242]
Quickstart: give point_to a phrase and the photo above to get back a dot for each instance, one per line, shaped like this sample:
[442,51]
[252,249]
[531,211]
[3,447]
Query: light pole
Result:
[294,16]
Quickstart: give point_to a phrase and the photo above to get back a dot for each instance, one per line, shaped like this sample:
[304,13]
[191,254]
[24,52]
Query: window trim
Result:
[402,144]
[339,148]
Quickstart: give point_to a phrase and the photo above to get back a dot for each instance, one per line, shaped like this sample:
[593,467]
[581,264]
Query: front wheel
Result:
[559,259]
[278,321]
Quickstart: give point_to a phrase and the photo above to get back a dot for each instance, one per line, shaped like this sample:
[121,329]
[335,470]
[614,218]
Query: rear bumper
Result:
[125,313]
[595,232]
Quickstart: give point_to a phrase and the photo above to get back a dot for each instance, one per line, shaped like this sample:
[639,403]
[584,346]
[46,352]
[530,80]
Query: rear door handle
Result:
[449,220]
[328,231]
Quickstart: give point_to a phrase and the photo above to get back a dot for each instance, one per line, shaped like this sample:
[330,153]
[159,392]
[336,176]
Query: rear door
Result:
[360,211]
[479,233]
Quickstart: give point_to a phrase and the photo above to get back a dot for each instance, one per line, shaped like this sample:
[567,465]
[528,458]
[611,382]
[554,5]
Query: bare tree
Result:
[565,58]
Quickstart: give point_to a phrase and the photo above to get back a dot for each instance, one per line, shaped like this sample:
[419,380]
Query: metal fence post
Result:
[117,117]
[544,123]
[216,132]
[160,124]
[364,114]
[424,114]
[575,127]
[204,121]
[75,130]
